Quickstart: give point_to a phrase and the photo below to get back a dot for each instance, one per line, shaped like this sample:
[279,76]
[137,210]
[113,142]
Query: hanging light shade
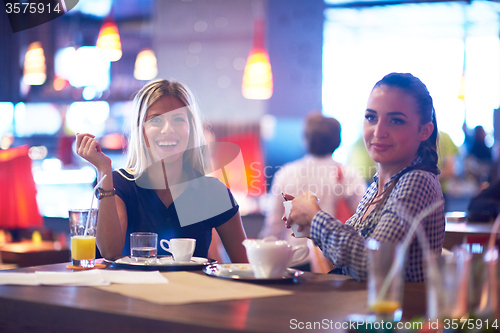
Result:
[34,65]
[145,65]
[109,41]
[258,76]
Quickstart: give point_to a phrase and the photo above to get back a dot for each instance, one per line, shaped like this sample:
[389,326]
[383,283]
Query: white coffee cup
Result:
[182,249]
[270,258]
[306,232]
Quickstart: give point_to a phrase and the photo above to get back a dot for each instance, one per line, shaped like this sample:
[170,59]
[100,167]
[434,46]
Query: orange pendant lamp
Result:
[258,77]
[109,40]
[34,65]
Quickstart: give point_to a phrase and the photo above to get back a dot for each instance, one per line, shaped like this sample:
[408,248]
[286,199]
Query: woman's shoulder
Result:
[418,181]
[415,190]
[420,175]
[120,174]
[122,180]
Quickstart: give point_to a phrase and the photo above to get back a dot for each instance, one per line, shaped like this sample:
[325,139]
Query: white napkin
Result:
[28,279]
[85,278]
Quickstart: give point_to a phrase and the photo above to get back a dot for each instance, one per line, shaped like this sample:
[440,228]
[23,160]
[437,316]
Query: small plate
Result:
[244,272]
[163,263]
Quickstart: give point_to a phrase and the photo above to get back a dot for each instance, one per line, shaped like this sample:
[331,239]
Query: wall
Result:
[295,39]
[205,43]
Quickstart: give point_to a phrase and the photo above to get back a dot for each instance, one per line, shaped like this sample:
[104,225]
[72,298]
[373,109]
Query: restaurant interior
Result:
[318,55]
[257,68]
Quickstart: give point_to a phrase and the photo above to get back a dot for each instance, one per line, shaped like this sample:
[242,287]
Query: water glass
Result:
[143,247]
[488,304]
[482,284]
[451,284]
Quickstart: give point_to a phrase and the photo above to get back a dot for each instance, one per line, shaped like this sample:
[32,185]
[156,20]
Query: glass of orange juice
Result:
[82,226]
[385,279]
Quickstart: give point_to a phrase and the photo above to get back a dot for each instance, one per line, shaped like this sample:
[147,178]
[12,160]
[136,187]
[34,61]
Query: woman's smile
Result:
[381,147]
[167,143]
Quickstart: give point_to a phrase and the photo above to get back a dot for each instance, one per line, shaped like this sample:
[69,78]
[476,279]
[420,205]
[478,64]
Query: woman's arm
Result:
[232,235]
[339,242]
[214,249]
[344,245]
[111,227]
[273,223]
[112,216]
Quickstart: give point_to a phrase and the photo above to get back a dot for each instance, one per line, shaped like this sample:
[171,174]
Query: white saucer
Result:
[163,261]
[245,272]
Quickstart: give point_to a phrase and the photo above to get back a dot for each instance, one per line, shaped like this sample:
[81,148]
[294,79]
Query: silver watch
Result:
[100,193]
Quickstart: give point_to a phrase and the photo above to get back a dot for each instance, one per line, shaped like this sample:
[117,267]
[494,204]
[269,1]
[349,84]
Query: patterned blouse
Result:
[344,244]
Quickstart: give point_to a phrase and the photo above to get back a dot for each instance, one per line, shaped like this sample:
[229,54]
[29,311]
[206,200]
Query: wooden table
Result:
[28,253]
[470,232]
[316,298]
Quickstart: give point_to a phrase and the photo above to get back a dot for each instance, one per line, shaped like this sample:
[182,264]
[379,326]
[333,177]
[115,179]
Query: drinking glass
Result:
[385,279]
[82,228]
[482,286]
[453,270]
[143,247]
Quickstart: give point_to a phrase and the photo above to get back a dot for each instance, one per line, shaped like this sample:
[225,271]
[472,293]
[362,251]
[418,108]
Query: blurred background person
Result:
[335,186]
[479,159]
[447,154]
[479,149]
[485,206]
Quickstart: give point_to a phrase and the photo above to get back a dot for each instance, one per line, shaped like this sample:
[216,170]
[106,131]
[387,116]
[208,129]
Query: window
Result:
[362,45]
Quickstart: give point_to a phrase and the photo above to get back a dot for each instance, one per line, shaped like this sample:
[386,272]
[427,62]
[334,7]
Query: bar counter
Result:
[326,299]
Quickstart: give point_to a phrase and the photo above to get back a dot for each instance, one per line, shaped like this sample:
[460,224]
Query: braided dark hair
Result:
[416,88]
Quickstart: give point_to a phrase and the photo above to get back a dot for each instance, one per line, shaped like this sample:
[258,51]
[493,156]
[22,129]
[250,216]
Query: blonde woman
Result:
[163,189]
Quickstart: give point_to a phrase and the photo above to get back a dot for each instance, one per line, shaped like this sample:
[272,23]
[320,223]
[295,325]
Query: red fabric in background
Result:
[18,206]
[65,150]
[251,151]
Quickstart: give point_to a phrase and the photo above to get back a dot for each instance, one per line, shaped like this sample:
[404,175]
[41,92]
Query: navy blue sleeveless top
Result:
[204,204]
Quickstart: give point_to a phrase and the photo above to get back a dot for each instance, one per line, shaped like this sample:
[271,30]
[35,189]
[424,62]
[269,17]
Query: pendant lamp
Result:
[258,77]
[34,65]
[109,40]
[461,89]
[145,65]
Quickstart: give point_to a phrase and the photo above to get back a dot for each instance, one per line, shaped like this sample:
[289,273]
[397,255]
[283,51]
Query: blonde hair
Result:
[137,157]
